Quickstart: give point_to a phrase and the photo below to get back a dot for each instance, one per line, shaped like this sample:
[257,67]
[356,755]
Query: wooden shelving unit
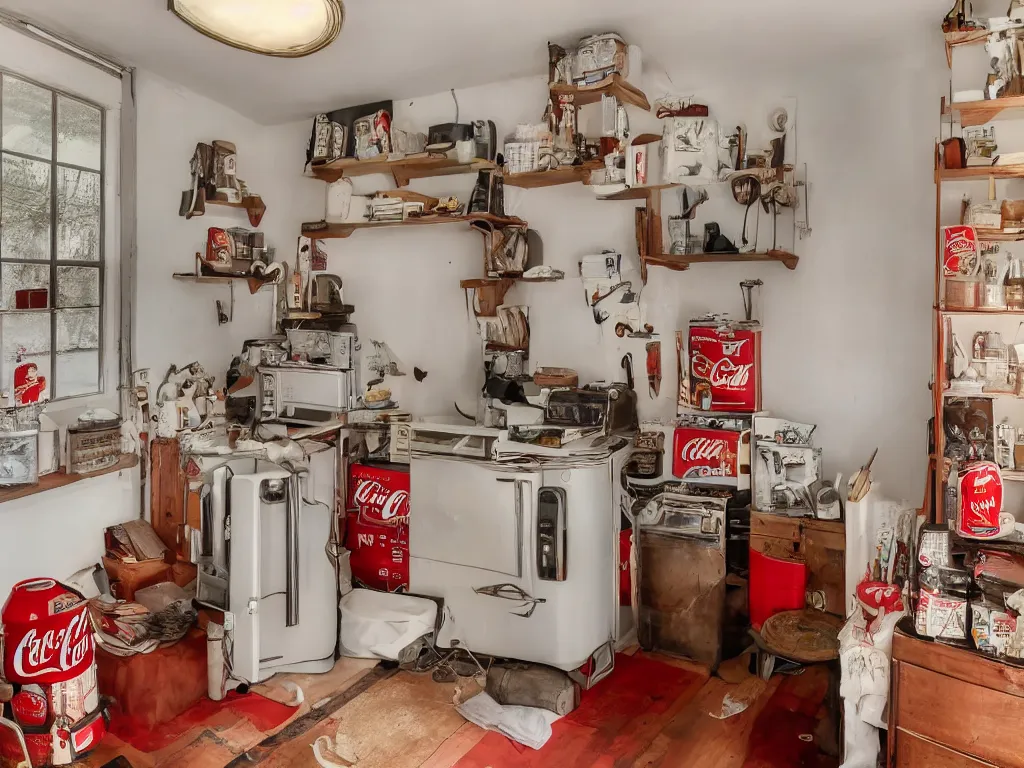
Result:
[482,282]
[615,85]
[980,174]
[681,262]
[345,230]
[979,311]
[981,112]
[419,166]
[567,175]
[252,205]
[254,283]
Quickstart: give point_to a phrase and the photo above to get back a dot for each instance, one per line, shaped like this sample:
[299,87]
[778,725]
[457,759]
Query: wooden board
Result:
[913,751]
[167,493]
[571,174]
[613,85]
[419,166]
[968,718]
[775,526]
[680,262]
[61,478]
[345,230]
[825,552]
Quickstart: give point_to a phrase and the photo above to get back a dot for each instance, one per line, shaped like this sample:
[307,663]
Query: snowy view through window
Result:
[51,258]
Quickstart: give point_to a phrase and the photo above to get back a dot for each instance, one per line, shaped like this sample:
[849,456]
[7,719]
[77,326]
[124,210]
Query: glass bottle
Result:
[1013,284]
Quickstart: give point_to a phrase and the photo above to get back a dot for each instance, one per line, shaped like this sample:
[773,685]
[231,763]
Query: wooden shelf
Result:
[971,37]
[638,193]
[680,262]
[482,282]
[61,478]
[987,110]
[566,175]
[980,174]
[980,311]
[419,166]
[251,204]
[187,277]
[987,236]
[615,85]
[345,230]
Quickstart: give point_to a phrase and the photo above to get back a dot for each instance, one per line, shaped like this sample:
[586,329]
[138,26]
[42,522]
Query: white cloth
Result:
[530,726]
[378,625]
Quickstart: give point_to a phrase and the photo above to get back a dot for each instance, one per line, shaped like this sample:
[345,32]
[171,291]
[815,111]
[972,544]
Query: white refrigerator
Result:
[525,557]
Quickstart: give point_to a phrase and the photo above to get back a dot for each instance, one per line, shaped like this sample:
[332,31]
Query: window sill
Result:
[61,478]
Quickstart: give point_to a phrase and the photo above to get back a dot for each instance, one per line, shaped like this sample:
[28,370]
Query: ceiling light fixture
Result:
[288,28]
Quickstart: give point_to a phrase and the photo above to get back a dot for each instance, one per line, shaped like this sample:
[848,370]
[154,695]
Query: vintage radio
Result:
[724,366]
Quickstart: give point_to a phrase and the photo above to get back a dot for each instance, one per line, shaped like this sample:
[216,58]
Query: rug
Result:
[616,720]
[264,714]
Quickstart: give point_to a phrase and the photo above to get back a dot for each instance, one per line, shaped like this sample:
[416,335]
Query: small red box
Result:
[699,453]
[32,298]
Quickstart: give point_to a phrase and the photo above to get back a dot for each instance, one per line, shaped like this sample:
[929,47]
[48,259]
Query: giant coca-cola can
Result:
[49,653]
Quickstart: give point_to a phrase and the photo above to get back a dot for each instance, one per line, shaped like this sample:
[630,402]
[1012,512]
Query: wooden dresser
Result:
[950,708]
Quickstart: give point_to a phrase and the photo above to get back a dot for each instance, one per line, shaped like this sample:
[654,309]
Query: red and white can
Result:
[980,512]
[48,649]
[725,368]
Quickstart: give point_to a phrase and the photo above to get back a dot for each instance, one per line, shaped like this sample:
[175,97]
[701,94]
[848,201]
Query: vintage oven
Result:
[526,559]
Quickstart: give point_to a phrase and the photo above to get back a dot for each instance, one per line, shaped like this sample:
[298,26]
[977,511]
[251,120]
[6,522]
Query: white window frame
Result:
[31,59]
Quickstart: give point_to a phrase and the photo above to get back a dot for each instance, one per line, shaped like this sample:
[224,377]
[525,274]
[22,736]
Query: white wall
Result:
[176,321]
[847,337]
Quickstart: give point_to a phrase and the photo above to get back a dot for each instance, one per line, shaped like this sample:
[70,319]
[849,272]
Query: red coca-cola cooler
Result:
[377,526]
[712,455]
[49,654]
[724,366]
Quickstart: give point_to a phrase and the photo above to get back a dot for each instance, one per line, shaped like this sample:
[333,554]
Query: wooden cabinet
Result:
[951,708]
[821,544]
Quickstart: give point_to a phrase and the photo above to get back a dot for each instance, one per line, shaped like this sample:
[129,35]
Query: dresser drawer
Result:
[914,752]
[977,721]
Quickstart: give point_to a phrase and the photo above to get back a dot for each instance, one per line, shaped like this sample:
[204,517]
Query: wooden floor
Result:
[393,719]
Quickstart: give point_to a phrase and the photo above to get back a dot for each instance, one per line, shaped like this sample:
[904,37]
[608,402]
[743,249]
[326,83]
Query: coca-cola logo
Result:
[724,374]
[56,650]
[390,505]
[702,449]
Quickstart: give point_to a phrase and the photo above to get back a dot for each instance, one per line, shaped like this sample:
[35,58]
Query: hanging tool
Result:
[627,365]
[747,288]
[746,190]
[654,369]
[627,298]
[860,483]
[625,329]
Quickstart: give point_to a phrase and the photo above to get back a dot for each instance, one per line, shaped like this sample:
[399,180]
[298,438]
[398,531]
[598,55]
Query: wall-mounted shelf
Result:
[567,175]
[981,112]
[970,37]
[980,311]
[990,236]
[62,478]
[252,205]
[680,262]
[639,193]
[345,230]
[419,166]
[482,282]
[254,282]
[982,173]
[614,85]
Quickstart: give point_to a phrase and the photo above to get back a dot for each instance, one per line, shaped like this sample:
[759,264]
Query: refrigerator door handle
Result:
[522,488]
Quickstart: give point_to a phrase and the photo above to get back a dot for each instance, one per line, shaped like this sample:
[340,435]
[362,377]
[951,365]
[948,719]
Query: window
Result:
[51,240]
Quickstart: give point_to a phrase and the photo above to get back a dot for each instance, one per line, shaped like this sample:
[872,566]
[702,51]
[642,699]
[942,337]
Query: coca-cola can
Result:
[377,532]
[46,632]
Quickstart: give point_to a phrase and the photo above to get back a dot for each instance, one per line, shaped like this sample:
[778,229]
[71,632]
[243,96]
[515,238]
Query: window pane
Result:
[78,354]
[24,286]
[79,132]
[27,335]
[24,209]
[78,215]
[78,286]
[26,118]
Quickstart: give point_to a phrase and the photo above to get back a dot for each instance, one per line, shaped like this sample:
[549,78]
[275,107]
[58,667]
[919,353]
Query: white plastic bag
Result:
[378,625]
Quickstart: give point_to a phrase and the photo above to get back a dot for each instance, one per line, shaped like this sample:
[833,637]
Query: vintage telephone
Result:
[485,136]
[442,137]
